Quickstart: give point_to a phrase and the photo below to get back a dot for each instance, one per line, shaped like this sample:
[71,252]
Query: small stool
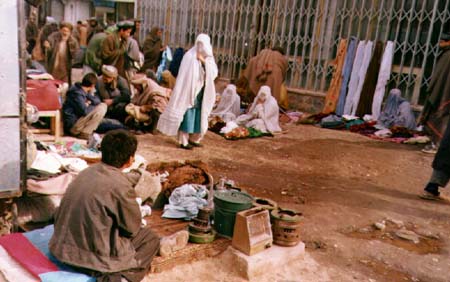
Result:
[55,124]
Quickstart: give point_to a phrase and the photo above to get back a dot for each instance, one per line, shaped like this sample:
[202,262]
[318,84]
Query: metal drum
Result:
[286,227]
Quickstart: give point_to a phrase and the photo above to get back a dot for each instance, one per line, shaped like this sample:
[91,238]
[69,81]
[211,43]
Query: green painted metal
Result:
[226,205]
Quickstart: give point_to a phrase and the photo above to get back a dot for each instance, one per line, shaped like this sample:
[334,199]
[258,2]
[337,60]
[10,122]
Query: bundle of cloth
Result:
[185,201]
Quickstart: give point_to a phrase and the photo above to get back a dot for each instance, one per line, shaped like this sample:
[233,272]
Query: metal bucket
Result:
[285,227]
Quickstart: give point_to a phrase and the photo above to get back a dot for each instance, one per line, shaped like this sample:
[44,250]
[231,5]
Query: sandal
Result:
[430,197]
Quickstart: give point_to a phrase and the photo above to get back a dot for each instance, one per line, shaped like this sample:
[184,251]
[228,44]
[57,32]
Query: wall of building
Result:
[77,10]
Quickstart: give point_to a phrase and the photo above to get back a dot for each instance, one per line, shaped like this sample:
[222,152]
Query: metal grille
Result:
[309,31]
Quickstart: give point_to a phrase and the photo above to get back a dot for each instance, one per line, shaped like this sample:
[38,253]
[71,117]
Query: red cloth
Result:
[44,94]
[25,253]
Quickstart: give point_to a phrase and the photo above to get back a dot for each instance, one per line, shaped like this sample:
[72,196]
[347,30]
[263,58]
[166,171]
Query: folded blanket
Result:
[31,251]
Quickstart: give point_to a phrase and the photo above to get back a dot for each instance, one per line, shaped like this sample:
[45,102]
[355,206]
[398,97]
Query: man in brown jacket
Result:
[61,48]
[114,47]
[98,225]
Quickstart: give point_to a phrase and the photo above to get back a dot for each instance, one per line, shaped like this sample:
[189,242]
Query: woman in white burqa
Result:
[263,115]
[229,106]
[193,96]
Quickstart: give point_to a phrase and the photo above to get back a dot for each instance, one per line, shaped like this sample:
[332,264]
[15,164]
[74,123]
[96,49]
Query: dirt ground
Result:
[343,183]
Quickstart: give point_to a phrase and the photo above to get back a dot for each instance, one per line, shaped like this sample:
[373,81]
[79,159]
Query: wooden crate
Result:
[192,252]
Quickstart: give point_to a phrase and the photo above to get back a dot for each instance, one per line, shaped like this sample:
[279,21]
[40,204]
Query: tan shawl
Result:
[267,68]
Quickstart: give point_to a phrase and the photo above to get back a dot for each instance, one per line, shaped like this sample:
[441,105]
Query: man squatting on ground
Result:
[83,111]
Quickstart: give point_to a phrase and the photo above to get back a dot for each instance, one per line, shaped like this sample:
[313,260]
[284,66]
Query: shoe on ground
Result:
[430,149]
[195,144]
[430,196]
[173,243]
[186,147]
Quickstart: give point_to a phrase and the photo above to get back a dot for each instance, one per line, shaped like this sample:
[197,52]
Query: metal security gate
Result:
[309,31]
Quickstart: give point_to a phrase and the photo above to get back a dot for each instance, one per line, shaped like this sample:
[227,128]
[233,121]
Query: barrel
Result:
[226,204]
[286,227]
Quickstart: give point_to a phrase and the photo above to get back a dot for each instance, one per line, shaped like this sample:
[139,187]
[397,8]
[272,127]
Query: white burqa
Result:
[190,80]
[229,107]
[263,117]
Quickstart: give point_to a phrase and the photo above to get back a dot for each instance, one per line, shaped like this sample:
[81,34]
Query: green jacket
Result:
[92,57]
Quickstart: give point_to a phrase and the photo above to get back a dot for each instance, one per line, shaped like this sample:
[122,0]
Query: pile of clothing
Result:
[396,123]
[48,176]
[185,201]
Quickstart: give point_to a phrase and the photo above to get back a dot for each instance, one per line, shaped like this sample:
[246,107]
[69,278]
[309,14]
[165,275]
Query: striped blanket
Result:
[26,257]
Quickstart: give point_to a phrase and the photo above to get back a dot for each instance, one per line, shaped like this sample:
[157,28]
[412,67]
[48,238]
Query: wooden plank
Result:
[192,252]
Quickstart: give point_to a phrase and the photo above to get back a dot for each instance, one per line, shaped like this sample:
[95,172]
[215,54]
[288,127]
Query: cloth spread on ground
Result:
[12,270]
[30,250]
[71,150]
[290,117]
[185,201]
[369,128]
[49,162]
[232,131]
[332,122]
[332,97]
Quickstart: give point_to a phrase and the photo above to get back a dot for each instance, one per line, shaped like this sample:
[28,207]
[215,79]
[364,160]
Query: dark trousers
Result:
[146,244]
